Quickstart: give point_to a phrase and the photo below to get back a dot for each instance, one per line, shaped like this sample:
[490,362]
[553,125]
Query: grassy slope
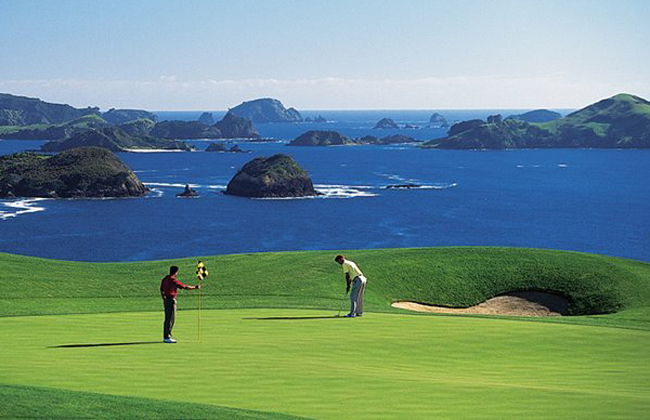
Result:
[447,276]
[87,121]
[6,129]
[30,402]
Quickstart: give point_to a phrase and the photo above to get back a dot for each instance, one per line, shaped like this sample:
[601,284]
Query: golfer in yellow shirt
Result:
[355,278]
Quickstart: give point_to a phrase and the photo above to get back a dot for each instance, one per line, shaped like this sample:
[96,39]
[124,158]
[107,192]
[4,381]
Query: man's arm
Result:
[184,286]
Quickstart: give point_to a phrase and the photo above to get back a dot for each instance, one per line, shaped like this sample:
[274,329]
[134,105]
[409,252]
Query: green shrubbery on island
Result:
[81,172]
[622,121]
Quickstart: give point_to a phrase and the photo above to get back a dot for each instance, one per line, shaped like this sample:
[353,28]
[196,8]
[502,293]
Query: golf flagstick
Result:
[201,273]
[199,313]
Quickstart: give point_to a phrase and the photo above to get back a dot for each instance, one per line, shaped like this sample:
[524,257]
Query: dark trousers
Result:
[170,315]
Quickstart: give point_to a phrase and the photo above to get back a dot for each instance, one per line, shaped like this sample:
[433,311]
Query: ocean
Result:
[570,199]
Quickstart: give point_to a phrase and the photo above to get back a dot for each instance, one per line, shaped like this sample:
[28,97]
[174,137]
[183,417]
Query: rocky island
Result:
[318,119]
[272,177]
[333,138]
[221,148]
[622,121]
[116,140]
[230,126]
[88,172]
[385,123]
[321,138]
[266,110]
[396,139]
[174,129]
[438,121]
[206,118]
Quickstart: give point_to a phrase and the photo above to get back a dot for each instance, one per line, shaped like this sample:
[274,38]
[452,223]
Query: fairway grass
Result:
[83,340]
[379,366]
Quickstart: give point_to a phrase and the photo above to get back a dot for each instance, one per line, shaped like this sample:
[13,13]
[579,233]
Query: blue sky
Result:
[325,54]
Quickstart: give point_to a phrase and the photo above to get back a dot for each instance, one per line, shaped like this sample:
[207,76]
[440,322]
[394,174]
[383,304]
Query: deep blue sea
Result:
[582,200]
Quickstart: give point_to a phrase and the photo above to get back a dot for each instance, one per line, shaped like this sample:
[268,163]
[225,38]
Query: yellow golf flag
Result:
[201,271]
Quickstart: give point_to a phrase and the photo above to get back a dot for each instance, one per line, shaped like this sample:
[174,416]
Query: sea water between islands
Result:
[572,199]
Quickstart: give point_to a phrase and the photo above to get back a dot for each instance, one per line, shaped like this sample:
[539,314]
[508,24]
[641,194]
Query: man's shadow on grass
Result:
[294,318]
[133,343]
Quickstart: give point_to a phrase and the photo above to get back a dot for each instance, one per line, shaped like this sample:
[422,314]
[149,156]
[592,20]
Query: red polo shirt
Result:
[169,286]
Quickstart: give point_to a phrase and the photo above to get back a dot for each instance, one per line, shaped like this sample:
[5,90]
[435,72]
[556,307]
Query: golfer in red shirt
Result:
[168,290]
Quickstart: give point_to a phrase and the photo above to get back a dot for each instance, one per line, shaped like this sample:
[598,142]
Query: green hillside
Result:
[455,277]
[622,121]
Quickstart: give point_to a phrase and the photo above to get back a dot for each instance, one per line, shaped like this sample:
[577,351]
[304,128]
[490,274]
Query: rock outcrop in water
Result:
[188,192]
[266,110]
[275,176]
[88,172]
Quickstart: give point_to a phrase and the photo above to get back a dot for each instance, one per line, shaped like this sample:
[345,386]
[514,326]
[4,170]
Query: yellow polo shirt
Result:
[351,267]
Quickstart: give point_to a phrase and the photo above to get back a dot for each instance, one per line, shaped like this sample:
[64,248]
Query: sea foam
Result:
[22,207]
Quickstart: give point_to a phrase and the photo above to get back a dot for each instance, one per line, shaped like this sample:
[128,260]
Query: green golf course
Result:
[84,340]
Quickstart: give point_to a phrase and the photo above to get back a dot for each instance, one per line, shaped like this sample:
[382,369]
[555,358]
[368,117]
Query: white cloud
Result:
[170,92]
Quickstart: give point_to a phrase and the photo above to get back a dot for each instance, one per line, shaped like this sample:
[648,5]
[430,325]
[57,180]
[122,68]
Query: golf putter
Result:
[341,305]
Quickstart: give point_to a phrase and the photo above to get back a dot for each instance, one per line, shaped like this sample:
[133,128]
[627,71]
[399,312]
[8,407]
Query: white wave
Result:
[157,192]
[154,150]
[440,186]
[400,178]
[168,185]
[22,206]
[356,187]
[562,165]
[343,192]
[330,191]
[217,187]
[145,171]
[520,166]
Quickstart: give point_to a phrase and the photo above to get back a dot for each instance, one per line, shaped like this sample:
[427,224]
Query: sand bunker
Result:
[536,304]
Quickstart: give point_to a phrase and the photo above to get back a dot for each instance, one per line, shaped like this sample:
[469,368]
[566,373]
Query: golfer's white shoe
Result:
[169,340]
[349,316]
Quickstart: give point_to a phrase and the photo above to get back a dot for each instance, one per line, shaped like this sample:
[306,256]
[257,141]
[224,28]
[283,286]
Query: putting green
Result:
[379,366]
